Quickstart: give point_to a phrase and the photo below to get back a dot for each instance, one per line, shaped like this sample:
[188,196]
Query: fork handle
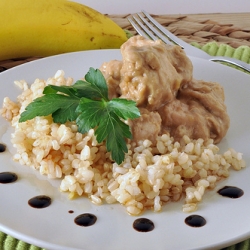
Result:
[232,61]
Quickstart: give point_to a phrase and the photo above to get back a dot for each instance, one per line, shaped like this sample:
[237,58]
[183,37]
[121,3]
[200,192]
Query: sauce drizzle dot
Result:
[195,221]
[231,192]
[40,201]
[7,177]
[143,225]
[85,220]
[2,147]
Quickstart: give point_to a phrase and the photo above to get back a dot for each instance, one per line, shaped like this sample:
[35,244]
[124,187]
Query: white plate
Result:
[228,220]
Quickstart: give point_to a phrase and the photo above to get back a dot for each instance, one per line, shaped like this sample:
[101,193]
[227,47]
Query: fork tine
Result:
[171,36]
[137,28]
[140,28]
[144,28]
[153,29]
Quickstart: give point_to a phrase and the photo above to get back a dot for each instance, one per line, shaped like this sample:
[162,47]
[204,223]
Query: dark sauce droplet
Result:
[40,201]
[195,221]
[143,225]
[71,211]
[7,177]
[2,147]
[231,192]
[85,220]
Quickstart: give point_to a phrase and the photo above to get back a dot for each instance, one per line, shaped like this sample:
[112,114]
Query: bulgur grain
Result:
[150,176]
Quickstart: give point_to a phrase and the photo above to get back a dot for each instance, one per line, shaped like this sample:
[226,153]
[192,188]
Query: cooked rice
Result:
[149,177]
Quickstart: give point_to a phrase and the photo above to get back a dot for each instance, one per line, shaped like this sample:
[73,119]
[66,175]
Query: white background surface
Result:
[169,6]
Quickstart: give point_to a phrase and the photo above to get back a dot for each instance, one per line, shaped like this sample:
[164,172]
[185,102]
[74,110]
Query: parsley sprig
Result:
[87,103]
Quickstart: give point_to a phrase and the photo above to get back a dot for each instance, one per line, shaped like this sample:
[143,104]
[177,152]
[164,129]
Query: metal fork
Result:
[148,27]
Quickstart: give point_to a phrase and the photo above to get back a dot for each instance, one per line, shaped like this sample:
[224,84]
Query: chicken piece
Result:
[199,112]
[159,78]
[111,72]
[147,126]
[152,72]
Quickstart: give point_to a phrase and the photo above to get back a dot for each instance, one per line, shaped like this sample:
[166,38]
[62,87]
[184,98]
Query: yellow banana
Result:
[49,27]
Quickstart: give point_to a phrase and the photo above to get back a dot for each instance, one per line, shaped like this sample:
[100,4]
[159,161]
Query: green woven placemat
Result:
[7,242]
[214,49]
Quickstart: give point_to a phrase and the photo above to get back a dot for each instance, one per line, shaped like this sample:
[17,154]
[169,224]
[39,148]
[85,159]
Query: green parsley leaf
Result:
[52,89]
[105,116]
[87,103]
[114,131]
[79,89]
[124,108]
[61,107]
[91,112]
[97,80]
[87,90]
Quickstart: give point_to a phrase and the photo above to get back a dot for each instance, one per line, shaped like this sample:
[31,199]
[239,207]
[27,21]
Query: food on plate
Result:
[44,28]
[86,102]
[162,163]
[159,78]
